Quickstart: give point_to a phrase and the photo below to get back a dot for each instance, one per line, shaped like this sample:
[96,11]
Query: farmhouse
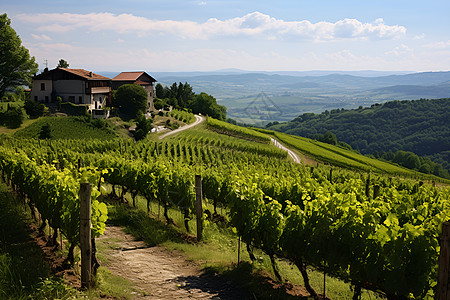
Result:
[77,86]
[141,78]
[82,87]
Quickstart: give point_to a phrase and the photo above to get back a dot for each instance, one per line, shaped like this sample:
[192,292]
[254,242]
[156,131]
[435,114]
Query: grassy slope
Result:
[419,126]
[345,158]
[66,127]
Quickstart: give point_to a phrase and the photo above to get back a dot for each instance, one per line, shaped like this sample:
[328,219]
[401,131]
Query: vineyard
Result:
[345,158]
[366,227]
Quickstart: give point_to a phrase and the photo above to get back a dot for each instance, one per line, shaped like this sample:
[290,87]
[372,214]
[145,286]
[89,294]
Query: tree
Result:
[34,109]
[207,105]
[329,138]
[130,99]
[161,92]
[16,66]
[62,64]
[143,126]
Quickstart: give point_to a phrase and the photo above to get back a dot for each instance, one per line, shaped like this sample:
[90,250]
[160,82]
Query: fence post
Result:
[85,234]
[368,186]
[443,292]
[198,206]
[376,191]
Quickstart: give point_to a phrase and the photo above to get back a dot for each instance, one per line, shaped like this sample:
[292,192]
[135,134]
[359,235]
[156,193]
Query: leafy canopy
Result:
[62,64]
[16,66]
[181,96]
[130,99]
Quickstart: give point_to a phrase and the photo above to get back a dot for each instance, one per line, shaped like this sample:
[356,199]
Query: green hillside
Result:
[420,126]
[252,193]
[340,157]
[69,128]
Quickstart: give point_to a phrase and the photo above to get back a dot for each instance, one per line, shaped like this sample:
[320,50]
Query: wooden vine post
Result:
[443,292]
[198,206]
[85,234]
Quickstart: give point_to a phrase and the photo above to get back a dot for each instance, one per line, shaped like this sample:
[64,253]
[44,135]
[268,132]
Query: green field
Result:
[68,128]
[345,158]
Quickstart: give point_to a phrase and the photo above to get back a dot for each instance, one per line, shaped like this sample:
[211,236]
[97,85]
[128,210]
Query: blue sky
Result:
[209,35]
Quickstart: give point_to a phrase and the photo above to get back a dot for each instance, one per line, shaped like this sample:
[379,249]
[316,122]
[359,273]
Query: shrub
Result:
[143,126]
[13,118]
[46,132]
[34,109]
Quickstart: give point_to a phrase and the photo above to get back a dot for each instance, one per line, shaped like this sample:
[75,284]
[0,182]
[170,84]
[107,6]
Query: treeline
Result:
[412,161]
[419,126]
[181,96]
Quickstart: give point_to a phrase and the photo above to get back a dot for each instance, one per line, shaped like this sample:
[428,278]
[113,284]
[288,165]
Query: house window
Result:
[80,100]
[42,86]
[46,99]
[35,98]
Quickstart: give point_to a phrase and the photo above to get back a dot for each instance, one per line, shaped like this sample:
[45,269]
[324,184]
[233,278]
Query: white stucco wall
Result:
[41,94]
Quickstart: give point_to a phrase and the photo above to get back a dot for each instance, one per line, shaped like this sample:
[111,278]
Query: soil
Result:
[57,264]
[160,274]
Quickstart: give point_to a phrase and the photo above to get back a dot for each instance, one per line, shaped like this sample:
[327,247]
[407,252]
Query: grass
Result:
[111,286]
[10,131]
[218,252]
[24,273]
[345,158]
[69,128]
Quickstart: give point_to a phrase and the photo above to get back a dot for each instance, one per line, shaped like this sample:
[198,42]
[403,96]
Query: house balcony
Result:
[98,90]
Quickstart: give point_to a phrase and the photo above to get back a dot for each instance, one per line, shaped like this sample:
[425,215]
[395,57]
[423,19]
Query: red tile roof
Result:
[85,74]
[132,76]
[128,76]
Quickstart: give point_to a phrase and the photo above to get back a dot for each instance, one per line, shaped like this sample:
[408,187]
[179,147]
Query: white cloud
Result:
[419,37]
[254,24]
[438,45]
[41,37]
[401,50]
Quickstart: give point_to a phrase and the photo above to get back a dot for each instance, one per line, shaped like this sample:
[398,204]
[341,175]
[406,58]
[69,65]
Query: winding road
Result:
[291,153]
[198,120]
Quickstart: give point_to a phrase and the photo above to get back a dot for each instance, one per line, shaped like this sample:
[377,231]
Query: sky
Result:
[209,35]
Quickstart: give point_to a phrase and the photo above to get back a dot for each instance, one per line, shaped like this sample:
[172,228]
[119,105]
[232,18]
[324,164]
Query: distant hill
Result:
[298,92]
[420,126]
[432,91]
[295,93]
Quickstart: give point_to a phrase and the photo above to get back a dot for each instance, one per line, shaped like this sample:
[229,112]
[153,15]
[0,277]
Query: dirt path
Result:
[291,153]
[160,274]
[198,120]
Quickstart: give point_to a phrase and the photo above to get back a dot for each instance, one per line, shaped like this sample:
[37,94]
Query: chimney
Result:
[90,74]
